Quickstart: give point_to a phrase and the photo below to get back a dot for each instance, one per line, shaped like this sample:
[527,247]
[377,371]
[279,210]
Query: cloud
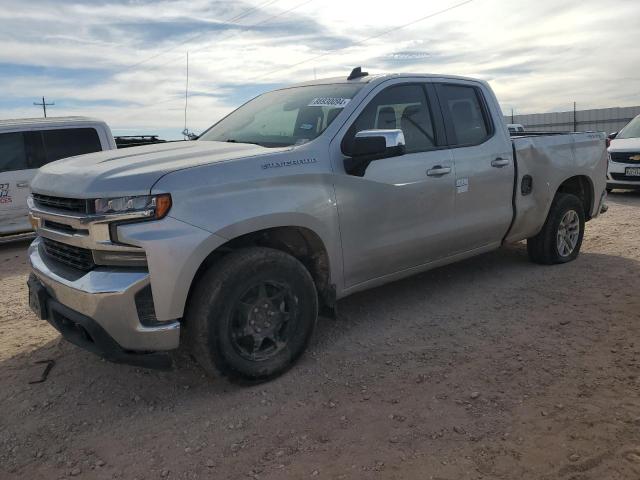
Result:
[125,61]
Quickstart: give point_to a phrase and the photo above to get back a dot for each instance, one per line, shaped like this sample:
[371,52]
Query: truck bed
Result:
[549,159]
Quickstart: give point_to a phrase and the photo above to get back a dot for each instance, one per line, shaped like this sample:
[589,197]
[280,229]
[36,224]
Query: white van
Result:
[27,144]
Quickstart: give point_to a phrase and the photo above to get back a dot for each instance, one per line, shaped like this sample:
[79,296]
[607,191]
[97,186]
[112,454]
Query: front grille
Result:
[76,257]
[61,227]
[625,157]
[623,177]
[75,205]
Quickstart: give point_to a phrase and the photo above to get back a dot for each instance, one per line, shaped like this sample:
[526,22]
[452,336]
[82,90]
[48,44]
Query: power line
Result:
[359,42]
[251,10]
[372,37]
[193,37]
[243,29]
[173,99]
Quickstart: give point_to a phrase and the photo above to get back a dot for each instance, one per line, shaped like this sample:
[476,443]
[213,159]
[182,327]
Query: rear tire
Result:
[561,236]
[252,314]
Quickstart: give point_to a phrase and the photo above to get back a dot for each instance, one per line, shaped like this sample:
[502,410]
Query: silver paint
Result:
[396,220]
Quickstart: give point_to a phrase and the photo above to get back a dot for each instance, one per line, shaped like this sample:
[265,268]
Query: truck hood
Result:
[625,145]
[133,171]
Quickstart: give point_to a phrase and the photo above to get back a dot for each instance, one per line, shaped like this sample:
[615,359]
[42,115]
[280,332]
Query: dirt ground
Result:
[493,368]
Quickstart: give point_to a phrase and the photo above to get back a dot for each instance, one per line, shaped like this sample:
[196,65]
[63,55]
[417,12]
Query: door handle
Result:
[500,162]
[22,184]
[438,171]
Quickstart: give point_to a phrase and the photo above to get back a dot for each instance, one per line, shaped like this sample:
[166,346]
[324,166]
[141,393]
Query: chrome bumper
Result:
[107,296]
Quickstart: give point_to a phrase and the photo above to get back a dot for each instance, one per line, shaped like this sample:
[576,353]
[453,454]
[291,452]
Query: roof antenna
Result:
[357,73]
[187,134]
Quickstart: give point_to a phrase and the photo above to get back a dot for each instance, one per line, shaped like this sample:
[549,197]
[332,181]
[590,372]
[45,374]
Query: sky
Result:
[124,61]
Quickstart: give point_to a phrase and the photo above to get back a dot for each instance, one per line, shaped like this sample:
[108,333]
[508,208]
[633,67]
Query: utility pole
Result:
[575,118]
[44,106]
[512,115]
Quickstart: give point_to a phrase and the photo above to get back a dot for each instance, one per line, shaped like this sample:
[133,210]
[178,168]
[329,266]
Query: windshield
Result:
[632,130]
[282,118]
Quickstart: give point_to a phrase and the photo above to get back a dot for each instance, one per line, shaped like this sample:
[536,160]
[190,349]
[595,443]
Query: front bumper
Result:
[617,178]
[103,303]
[623,185]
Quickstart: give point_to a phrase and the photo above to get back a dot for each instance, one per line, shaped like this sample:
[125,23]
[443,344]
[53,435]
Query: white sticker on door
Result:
[462,185]
[329,102]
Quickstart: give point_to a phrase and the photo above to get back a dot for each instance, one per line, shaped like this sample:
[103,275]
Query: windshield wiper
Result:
[231,140]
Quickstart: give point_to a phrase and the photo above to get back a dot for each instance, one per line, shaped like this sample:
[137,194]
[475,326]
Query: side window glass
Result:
[36,155]
[12,152]
[69,142]
[464,108]
[400,106]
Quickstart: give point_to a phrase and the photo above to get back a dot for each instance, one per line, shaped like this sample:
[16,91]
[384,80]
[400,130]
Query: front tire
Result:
[561,236]
[252,314]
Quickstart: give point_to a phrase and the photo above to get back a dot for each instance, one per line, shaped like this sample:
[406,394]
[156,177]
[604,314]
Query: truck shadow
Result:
[423,300]
[499,300]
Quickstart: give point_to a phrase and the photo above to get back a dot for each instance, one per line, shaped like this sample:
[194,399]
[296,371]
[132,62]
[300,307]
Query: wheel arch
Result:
[582,187]
[301,242]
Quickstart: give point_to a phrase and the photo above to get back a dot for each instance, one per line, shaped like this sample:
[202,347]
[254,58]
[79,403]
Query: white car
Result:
[624,167]
[27,144]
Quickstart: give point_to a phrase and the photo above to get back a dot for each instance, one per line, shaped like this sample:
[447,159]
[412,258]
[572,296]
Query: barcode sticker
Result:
[329,102]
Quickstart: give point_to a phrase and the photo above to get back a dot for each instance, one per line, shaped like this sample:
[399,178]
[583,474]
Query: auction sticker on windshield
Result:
[329,102]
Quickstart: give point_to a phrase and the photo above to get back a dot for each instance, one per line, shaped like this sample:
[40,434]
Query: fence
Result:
[601,120]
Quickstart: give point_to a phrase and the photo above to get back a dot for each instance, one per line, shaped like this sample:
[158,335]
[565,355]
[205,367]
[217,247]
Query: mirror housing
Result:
[370,145]
[612,135]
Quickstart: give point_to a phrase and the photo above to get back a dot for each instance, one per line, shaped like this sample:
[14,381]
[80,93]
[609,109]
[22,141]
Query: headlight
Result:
[154,206]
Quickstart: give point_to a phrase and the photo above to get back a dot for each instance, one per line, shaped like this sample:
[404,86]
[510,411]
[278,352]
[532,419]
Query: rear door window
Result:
[69,142]
[468,119]
[12,152]
[34,149]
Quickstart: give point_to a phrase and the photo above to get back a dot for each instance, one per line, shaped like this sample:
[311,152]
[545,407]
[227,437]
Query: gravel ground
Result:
[492,368]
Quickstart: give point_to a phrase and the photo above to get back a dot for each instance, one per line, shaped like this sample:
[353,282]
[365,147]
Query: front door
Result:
[399,214]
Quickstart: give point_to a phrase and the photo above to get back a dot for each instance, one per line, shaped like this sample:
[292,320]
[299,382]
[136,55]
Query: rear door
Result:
[484,169]
[14,183]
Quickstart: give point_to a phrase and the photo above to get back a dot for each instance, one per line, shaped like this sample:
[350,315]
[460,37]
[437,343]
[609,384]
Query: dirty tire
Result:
[544,248]
[266,288]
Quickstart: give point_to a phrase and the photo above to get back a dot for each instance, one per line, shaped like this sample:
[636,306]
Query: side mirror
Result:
[612,135]
[370,145]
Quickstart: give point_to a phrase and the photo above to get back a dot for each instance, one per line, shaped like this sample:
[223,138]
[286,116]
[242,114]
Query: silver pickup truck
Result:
[232,244]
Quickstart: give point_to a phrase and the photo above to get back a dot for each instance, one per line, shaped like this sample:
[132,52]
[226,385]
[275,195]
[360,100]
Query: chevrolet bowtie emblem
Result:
[635,158]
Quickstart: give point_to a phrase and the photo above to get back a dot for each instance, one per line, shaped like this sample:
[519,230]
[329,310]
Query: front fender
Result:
[243,197]
[175,250]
